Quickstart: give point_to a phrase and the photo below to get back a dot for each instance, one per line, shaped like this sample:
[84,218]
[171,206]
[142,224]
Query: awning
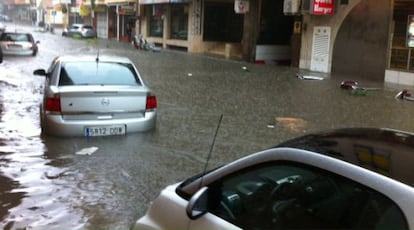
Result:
[147,2]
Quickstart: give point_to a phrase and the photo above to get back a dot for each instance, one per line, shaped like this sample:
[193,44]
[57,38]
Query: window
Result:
[293,196]
[179,21]
[101,73]
[16,37]
[156,20]
[221,23]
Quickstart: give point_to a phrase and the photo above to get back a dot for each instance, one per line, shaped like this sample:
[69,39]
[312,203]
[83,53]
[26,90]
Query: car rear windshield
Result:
[88,27]
[15,37]
[98,73]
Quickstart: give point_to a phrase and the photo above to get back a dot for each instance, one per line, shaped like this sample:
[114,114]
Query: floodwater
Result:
[108,182]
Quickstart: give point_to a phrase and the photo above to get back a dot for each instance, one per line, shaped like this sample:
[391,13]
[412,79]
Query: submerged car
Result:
[91,95]
[80,30]
[18,43]
[356,178]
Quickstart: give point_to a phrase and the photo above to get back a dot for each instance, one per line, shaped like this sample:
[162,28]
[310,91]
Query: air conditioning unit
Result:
[291,7]
[306,6]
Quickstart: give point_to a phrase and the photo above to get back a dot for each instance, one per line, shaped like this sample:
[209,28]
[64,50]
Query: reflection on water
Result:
[31,191]
[8,199]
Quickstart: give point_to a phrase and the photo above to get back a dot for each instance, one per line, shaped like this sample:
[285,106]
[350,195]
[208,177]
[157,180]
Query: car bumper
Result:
[17,52]
[56,126]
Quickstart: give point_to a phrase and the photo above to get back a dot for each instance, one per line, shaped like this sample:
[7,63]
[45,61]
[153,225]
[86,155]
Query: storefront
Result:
[401,55]
[121,20]
[166,22]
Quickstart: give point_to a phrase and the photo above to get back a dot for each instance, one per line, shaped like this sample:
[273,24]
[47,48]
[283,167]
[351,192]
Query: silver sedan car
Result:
[356,178]
[80,30]
[18,43]
[91,95]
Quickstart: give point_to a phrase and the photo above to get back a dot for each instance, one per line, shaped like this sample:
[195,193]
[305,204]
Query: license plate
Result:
[105,130]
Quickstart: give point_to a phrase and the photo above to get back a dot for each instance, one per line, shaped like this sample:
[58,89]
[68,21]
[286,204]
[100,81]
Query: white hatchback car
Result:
[90,95]
[357,178]
[18,43]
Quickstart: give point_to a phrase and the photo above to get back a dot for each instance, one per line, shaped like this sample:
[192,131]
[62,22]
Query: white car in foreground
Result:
[357,178]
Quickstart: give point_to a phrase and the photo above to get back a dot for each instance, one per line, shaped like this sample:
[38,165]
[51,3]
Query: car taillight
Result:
[151,102]
[53,104]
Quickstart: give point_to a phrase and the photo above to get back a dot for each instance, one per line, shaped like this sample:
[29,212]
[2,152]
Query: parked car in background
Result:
[91,95]
[1,56]
[5,18]
[356,178]
[80,30]
[2,27]
[18,43]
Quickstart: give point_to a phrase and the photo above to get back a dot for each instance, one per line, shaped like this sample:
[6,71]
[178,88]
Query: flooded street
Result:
[108,182]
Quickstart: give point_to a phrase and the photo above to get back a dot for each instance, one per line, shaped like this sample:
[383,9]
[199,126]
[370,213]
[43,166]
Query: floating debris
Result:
[354,85]
[190,74]
[308,77]
[358,92]
[349,85]
[87,151]
[404,95]
[296,125]
[244,68]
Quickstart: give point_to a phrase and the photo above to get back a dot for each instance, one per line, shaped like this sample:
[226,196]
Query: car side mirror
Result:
[37,42]
[198,204]
[40,72]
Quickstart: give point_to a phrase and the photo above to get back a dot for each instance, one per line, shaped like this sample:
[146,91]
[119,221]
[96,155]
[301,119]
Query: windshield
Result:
[98,73]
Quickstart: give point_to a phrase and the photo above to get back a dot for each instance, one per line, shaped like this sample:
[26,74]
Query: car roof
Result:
[381,151]
[92,57]
[385,151]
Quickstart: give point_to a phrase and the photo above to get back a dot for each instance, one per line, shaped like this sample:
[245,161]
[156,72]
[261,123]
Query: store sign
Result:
[323,7]
[126,9]
[100,8]
[143,2]
[241,6]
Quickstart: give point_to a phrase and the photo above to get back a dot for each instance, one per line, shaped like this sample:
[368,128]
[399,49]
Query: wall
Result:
[361,45]
[359,38]
[310,21]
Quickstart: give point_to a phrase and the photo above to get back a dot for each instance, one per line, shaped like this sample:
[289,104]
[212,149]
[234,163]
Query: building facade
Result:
[371,39]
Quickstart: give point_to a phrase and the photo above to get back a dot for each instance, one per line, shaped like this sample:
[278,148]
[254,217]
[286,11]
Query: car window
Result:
[294,196]
[88,27]
[98,73]
[15,37]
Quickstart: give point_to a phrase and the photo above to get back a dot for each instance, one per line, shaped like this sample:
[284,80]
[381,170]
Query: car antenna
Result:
[211,149]
[97,56]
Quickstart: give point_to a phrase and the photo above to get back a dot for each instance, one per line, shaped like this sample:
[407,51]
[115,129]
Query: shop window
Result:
[402,37]
[179,21]
[156,20]
[275,27]
[221,23]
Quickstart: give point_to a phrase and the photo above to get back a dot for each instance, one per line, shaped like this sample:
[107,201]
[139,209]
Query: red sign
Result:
[323,7]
